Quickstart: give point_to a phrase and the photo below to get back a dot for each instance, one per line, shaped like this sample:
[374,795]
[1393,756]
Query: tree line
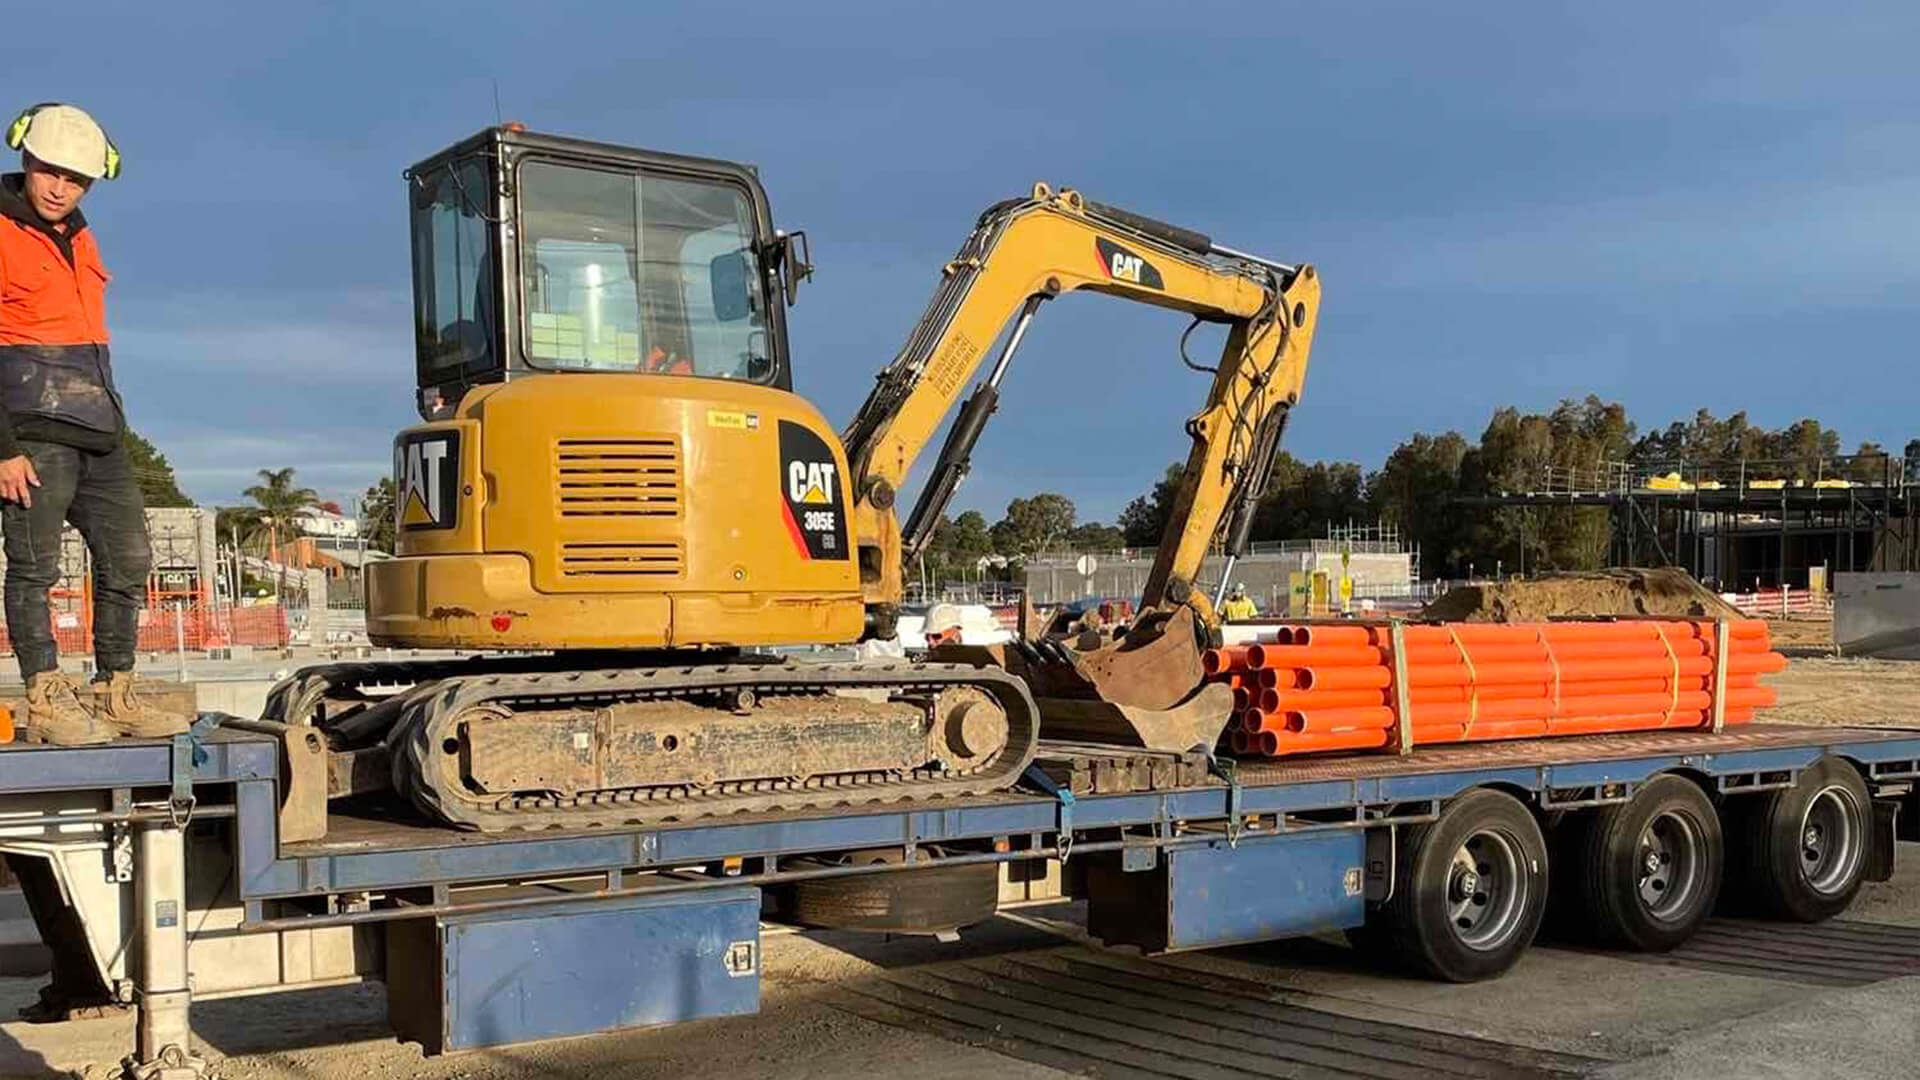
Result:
[1421,485]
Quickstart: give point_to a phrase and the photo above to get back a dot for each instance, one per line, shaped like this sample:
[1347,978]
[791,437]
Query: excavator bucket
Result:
[1146,689]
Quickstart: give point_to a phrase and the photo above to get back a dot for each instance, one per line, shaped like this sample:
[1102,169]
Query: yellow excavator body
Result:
[620,513]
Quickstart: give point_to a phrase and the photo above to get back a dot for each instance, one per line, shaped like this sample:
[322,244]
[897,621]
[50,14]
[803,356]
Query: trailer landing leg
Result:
[163,1044]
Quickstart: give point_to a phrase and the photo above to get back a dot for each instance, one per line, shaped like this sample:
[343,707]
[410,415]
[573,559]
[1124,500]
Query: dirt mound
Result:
[1610,592]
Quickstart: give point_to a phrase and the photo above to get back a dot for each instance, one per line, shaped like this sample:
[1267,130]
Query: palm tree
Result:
[276,511]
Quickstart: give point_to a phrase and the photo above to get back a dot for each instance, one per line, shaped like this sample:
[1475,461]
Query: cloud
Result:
[361,337]
[214,468]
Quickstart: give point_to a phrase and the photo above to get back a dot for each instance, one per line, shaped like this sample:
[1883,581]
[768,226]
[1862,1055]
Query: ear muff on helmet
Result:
[17,131]
[17,137]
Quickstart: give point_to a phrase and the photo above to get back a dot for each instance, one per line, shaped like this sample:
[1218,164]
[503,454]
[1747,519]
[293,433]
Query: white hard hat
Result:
[65,137]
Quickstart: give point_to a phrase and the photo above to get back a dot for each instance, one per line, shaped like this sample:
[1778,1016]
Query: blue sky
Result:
[1670,205]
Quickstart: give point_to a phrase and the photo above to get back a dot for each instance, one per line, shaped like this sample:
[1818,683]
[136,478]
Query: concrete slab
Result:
[1866,1033]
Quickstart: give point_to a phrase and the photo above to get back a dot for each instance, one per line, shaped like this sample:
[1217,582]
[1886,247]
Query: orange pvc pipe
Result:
[1242,699]
[1522,633]
[1593,725]
[1255,721]
[1299,656]
[1223,660]
[1369,678]
[1460,713]
[1369,739]
[1297,700]
[1306,744]
[1327,721]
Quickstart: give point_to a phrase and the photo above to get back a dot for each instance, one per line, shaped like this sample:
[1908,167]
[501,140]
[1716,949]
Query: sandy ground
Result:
[1831,690]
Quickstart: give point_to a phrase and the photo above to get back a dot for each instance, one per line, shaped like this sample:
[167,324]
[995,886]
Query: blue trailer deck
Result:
[1300,838]
[375,847]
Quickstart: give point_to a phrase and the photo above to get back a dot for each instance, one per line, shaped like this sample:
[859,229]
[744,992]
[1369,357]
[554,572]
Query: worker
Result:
[1239,604]
[61,428]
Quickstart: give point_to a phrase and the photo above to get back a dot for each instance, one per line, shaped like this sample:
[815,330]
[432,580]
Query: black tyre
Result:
[1469,889]
[1645,873]
[935,900]
[1801,851]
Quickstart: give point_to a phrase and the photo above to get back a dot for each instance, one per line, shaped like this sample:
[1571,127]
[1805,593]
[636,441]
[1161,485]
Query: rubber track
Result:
[296,699]
[417,743]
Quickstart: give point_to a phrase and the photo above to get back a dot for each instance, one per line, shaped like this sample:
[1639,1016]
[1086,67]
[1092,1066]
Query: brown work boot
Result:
[123,710]
[55,715]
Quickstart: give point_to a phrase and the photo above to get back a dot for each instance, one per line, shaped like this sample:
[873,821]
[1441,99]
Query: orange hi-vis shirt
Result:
[56,375]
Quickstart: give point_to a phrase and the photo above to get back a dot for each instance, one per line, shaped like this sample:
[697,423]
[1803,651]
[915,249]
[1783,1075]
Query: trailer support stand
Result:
[163,1042]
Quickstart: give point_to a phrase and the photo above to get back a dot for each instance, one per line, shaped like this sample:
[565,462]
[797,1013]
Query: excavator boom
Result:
[1019,255]
[1023,253]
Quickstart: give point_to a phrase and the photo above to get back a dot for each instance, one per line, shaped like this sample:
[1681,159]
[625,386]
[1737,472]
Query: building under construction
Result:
[1745,525]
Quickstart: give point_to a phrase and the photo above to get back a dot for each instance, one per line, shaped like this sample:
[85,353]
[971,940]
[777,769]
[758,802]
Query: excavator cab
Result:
[541,254]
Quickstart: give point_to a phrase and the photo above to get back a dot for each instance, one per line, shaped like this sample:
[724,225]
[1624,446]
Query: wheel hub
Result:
[1487,890]
[1465,884]
[1832,845]
[1671,867]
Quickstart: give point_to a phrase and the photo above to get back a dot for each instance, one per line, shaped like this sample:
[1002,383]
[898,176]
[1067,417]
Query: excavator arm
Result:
[1024,252]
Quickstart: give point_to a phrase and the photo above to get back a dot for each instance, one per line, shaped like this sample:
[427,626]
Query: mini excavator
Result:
[616,505]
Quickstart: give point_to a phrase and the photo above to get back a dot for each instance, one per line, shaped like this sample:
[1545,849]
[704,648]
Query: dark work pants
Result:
[98,493]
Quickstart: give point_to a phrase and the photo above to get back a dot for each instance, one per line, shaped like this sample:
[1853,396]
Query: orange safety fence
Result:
[194,627]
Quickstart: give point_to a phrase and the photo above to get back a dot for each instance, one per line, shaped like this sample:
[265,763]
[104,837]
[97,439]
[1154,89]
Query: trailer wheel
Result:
[1646,872]
[1472,888]
[1803,850]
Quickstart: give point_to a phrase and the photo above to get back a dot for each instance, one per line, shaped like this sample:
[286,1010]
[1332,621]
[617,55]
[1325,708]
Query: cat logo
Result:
[1123,265]
[811,506]
[809,481]
[426,473]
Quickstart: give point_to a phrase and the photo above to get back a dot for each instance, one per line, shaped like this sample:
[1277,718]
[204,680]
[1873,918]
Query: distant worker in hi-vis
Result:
[1239,605]
[62,457]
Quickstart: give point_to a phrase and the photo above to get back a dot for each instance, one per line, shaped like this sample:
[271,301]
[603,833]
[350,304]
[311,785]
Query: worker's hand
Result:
[17,480]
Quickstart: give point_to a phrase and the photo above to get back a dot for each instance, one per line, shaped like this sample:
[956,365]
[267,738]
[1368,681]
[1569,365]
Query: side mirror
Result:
[796,263]
[732,282]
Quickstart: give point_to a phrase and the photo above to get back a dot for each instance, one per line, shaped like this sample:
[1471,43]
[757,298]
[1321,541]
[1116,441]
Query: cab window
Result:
[640,273]
[453,281]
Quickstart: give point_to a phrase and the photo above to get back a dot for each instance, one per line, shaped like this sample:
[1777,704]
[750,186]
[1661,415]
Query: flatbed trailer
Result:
[156,870]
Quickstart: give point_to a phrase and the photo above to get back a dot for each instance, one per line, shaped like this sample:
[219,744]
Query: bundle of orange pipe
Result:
[1330,687]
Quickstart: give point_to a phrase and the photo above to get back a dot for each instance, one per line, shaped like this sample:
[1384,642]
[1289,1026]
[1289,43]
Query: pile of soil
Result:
[1609,592]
